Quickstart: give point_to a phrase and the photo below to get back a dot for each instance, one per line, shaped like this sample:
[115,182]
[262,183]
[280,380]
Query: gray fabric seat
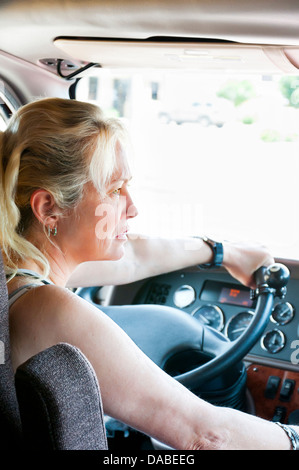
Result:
[10,423]
[53,402]
[59,401]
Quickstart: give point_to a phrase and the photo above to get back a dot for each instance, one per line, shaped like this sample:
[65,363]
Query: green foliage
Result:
[291,137]
[237,91]
[270,135]
[289,87]
[273,135]
[248,120]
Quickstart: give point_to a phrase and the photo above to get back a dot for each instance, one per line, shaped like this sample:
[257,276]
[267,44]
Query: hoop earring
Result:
[52,231]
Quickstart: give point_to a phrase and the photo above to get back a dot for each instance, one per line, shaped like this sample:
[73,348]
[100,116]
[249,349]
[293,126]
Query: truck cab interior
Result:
[210,94]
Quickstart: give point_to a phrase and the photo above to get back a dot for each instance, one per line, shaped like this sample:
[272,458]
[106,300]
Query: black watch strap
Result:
[217,249]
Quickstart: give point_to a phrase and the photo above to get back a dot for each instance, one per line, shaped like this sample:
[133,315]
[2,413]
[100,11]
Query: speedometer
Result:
[210,315]
[238,324]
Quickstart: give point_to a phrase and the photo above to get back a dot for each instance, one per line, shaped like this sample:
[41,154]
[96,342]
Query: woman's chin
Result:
[117,250]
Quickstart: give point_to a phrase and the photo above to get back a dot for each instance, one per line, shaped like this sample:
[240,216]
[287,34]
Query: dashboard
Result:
[217,300]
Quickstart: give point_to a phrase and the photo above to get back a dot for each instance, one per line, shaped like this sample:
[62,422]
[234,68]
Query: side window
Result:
[9,103]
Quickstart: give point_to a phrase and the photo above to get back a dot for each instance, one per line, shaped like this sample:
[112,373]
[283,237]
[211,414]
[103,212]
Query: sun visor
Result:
[182,55]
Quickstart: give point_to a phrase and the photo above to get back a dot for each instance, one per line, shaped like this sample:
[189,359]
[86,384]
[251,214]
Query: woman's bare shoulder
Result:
[52,305]
[47,315]
[44,297]
[61,301]
[48,294]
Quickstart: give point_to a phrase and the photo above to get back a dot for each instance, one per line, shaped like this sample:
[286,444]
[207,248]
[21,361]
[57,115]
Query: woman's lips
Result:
[122,235]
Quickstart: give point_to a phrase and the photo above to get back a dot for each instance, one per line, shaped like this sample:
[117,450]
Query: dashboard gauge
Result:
[210,315]
[238,324]
[283,313]
[273,341]
[184,296]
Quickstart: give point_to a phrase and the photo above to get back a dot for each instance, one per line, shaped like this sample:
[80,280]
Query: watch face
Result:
[217,249]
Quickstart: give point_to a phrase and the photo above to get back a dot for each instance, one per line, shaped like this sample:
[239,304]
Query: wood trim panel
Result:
[257,378]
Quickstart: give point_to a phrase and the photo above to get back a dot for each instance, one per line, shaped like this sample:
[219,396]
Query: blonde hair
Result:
[58,145]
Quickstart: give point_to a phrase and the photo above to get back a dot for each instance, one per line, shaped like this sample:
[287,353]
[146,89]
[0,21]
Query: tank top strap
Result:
[13,296]
[35,275]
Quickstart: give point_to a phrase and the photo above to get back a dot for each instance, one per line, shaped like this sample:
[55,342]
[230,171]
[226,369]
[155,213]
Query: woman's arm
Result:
[146,257]
[134,390]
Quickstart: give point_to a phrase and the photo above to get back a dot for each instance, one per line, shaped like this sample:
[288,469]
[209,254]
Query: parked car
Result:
[205,114]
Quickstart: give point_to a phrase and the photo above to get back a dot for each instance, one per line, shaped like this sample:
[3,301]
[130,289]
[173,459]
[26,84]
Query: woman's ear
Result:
[43,206]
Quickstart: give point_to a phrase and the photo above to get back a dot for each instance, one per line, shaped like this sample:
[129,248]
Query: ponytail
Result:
[15,247]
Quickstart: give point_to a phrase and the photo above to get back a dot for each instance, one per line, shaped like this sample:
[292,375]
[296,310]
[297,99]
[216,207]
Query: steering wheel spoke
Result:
[158,331]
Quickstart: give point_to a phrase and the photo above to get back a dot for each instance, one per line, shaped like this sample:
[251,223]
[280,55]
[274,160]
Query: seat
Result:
[10,422]
[53,401]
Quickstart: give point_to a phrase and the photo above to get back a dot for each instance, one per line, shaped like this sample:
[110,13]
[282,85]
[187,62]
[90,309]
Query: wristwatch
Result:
[217,249]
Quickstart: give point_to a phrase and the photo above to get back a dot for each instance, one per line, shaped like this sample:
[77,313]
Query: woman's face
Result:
[97,229]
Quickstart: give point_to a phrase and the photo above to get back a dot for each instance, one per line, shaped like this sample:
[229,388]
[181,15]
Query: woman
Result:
[65,201]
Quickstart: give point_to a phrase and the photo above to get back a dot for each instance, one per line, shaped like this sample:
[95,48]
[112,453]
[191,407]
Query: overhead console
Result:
[172,53]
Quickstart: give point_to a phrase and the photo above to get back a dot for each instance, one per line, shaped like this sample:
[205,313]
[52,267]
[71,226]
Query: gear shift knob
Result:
[277,276]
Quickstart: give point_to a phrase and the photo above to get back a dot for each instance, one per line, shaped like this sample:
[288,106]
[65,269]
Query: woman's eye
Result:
[116,192]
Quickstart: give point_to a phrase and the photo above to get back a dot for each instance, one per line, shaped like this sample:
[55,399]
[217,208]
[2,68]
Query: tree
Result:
[237,91]
[289,87]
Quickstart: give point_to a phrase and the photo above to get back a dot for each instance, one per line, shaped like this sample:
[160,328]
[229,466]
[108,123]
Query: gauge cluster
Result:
[218,301]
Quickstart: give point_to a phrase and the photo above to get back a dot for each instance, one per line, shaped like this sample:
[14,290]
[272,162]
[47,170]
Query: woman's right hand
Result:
[242,260]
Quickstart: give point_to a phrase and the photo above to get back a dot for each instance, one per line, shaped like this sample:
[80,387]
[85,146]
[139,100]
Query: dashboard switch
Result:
[279,414]
[272,386]
[287,389]
[294,417]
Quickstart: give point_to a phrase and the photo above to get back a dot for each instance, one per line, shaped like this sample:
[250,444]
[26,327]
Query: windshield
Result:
[212,155]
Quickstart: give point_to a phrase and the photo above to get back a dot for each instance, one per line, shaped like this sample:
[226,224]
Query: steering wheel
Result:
[161,332]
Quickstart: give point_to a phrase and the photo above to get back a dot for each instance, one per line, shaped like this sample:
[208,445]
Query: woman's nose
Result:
[131,209]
